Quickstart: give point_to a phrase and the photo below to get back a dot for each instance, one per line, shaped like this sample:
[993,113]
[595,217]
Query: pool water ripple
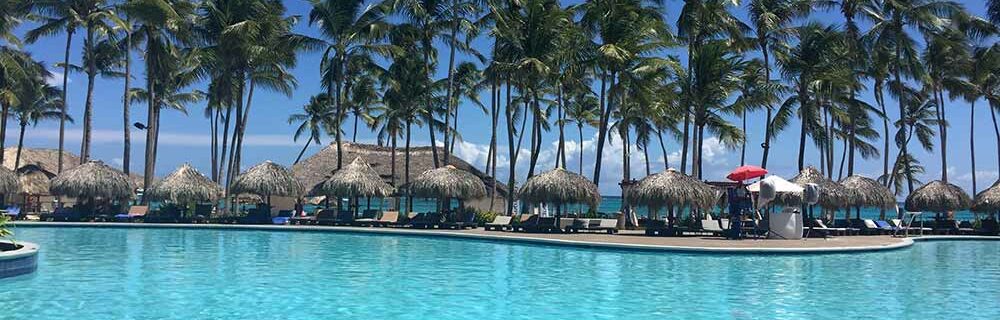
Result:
[90,274]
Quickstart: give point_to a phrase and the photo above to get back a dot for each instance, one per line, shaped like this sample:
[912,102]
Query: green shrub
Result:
[485,216]
[5,232]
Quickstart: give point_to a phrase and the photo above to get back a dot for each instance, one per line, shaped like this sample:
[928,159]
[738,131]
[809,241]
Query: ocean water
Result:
[101,273]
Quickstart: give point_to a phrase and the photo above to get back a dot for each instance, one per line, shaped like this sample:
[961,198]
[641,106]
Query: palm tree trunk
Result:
[354,135]
[943,128]
[148,171]
[803,104]
[687,135]
[701,144]
[238,160]
[494,119]
[996,129]
[20,145]
[306,146]
[62,111]
[126,132]
[645,155]
[902,108]
[454,132]
[663,149]
[225,138]
[512,153]
[561,150]
[4,114]
[338,106]
[767,125]
[602,130]
[451,84]
[88,109]
[885,132]
[843,157]
[430,108]
[579,128]
[406,164]
[743,146]
[972,143]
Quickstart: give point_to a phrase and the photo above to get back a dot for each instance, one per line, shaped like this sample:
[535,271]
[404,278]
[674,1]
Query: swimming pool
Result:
[125,273]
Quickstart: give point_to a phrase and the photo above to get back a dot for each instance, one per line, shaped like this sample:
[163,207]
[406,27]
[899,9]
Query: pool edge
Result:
[903,243]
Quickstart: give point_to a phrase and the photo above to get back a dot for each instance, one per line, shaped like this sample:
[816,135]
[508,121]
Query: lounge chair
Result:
[537,224]
[463,220]
[914,226]
[869,227]
[987,227]
[716,227]
[820,226]
[325,217]
[500,223]
[661,228]
[257,216]
[368,217]
[965,228]
[387,218]
[202,213]
[886,227]
[427,220]
[135,213]
[600,225]
[14,213]
[284,217]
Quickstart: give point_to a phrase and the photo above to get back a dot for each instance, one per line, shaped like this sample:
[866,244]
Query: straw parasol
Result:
[988,200]
[34,180]
[267,179]
[832,195]
[938,196]
[672,188]
[93,179]
[866,192]
[447,182]
[356,179]
[560,187]
[185,185]
[9,183]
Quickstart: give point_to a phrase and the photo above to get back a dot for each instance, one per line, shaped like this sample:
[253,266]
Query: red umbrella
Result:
[746,173]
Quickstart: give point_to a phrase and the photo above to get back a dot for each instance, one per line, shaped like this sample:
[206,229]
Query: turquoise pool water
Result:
[91,273]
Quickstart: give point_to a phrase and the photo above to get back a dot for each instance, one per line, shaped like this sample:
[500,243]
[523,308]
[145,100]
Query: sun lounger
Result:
[965,228]
[820,226]
[464,220]
[913,227]
[599,225]
[387,218]
[536,224]
[134,213]
[427,220]
[284,217]
[886,227]
[257,216]
[716,227]
[869,227]
[368,218]
[202,213]
[13,213]
[660,228]
[500,223]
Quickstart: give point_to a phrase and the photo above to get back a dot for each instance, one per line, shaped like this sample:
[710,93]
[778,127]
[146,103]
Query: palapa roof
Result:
[866,192]
[320,166]
[268,179]
[447,182]
[561,187]
[48,160]
[185,184]
[988,200]
[34,180]
[671,187]
[938,196]
[93,179]
[355,179]
[9,183]
[831,194]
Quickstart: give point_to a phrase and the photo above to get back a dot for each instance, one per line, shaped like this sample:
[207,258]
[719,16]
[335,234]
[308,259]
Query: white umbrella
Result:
[780,185]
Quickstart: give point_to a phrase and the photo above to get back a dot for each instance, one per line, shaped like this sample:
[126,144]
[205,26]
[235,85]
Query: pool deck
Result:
[626,240]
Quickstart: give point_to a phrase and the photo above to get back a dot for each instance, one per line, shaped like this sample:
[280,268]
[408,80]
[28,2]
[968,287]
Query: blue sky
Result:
[185,138]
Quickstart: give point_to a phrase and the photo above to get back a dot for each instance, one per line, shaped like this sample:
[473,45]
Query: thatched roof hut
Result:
[268,179]
[184,185]
[447,182]
[355,179]
[560,186]
[34,180]
[672,188]
[319,167]
[832,195]
[48,160]
[9,184]
[866,192]
[938,196]
[93,179]
[988,200]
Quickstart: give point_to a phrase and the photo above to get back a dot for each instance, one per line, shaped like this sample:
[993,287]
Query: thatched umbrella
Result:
[357,179]
[832,195]
[185,185]
[93,179]
[672,189]
[866,192]
[267,179]
[9,183]
[988,201]
[445,183]
[34,180]
[559,187]
[938,196]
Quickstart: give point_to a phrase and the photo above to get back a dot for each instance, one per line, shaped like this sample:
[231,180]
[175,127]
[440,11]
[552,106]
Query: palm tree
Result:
[803,65]
[770,20]
[351,29]
[757,91]
[37,101]
[714,78]
[466,82]
[984,82]
[315,117]
[920,121]
[159,24]
[59,15]
[360,90]
[993,9]
[582,110]
[892,21]
[405,84]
